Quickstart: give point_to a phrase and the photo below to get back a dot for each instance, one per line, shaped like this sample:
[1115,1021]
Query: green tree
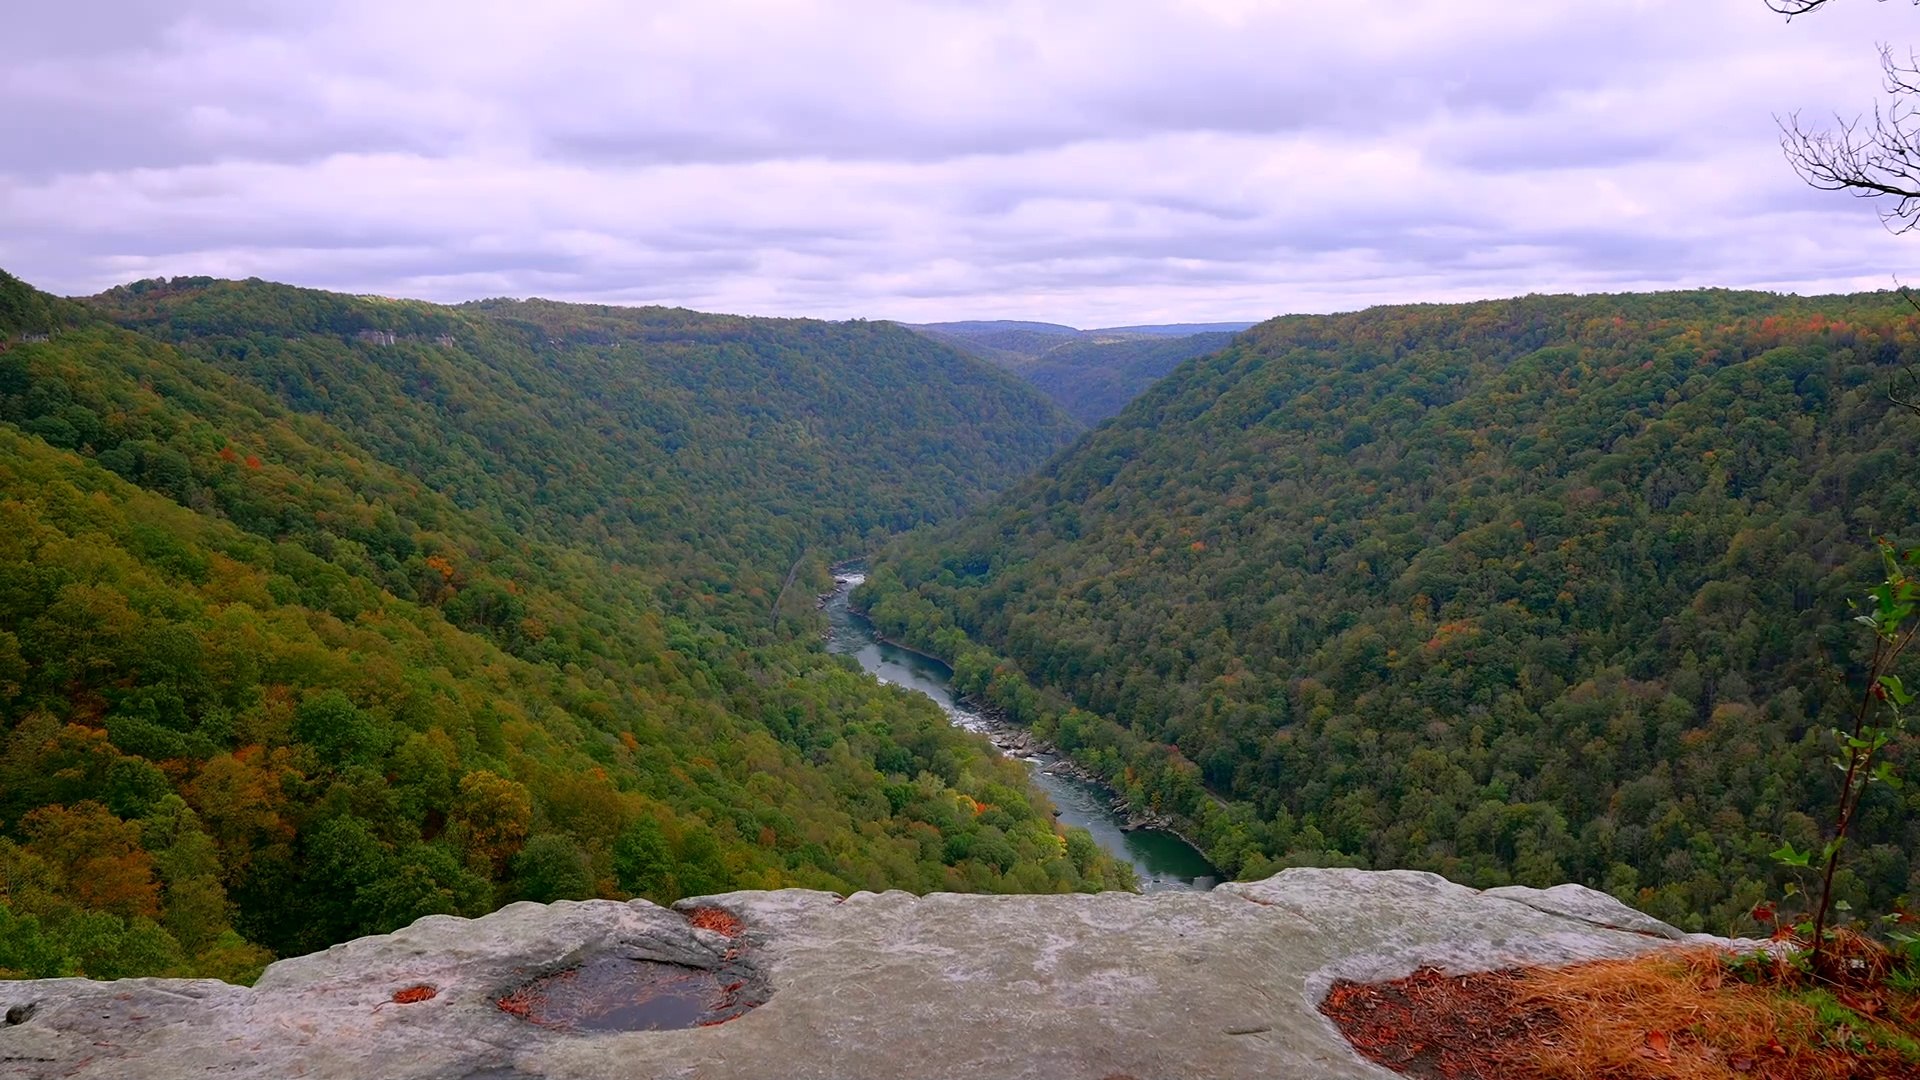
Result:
[552,867]
[1876,722]
[330,723]
[642,860]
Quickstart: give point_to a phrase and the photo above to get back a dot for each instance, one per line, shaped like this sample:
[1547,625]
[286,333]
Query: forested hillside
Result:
[346,611]
[713,448]
[1536,590]
[1091,374]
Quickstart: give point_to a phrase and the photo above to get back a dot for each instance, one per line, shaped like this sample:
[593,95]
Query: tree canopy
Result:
[1525,591]
[322,613]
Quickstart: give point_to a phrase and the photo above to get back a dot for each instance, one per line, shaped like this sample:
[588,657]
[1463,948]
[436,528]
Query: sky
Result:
[1087,163]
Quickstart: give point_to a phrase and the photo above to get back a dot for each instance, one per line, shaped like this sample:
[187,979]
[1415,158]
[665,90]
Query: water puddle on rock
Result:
[617,993]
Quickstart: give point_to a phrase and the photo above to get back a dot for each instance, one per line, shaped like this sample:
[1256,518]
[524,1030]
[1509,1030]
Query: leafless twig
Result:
[1790,8]
[1875,157]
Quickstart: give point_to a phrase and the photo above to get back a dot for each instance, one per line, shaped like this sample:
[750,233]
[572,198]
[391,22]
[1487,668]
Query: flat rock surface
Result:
[1164,985]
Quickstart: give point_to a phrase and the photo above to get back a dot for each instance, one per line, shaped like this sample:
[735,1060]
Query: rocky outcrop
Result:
[1164,985]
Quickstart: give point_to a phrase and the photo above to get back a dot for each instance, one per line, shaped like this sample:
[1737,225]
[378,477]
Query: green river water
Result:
[1161,859]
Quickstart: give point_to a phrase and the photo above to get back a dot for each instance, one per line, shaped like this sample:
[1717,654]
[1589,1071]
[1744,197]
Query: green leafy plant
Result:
[1877,718]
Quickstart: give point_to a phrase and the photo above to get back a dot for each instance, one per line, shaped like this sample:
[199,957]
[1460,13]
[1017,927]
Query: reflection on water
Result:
[1160,859]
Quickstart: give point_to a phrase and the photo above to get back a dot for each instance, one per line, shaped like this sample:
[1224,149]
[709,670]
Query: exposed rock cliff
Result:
[1188,985]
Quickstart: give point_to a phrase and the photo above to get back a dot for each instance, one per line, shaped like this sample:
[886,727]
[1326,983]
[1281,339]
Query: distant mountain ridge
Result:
[1091,374]
[987,329]
[1173,329]
[984,327]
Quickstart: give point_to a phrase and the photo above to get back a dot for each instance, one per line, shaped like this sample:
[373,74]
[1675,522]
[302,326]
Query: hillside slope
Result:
[1530,590]
[720,446]
[277,672]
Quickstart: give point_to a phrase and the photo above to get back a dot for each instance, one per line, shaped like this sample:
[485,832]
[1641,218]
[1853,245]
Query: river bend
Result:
[1160,859]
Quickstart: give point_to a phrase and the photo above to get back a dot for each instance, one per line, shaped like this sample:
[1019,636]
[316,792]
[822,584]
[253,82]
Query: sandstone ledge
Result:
[1165,985]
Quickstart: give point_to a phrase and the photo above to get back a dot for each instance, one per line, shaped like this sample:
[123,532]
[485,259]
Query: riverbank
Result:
[1019,742]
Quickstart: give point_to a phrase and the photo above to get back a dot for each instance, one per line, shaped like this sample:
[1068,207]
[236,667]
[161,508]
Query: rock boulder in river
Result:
[1188,985]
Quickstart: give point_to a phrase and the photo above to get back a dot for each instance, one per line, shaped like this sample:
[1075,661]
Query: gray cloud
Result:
[1166,159]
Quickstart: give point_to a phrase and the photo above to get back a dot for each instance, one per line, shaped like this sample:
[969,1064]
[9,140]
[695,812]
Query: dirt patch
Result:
[1687,1015]
[1439,1026]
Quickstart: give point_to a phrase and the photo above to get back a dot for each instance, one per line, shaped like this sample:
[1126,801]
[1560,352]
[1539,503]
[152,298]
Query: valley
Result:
[400,609]
[325,613]
[1090,374]
[929,540]
[1160,859]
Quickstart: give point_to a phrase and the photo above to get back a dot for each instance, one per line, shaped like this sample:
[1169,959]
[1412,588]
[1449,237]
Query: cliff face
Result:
[1189,985]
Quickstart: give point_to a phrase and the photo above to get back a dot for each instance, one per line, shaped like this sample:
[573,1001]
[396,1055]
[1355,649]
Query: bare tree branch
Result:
[1790,8]
[1876,157]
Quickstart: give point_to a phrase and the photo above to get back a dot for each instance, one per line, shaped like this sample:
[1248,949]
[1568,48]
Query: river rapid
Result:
[1160,859]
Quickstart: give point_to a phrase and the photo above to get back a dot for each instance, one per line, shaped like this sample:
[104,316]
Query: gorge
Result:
[988,540]
[376,673]
[1160,859]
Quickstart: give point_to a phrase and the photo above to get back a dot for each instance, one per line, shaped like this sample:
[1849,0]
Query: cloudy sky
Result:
[1090,163]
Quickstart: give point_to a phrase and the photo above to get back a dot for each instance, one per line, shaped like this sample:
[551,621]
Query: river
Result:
[1160,859]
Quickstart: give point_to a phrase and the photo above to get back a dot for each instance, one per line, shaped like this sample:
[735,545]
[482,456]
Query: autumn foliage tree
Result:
[492,818]
[96,857]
